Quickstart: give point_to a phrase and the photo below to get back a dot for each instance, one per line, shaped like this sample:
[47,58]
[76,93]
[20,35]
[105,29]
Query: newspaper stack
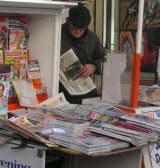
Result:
[127,132]
[90,145]
[150,135]
[116,122]
[87,112]
[102,109]
[111,116]
[113,112]
[137,141]
[75,120]
[142,121]
[73,127]
[68,111]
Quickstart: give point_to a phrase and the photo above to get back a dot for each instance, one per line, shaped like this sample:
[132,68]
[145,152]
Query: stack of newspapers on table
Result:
[75,135]
[91,128]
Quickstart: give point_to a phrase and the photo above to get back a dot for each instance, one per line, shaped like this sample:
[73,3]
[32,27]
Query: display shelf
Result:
[47,4]
[44,41]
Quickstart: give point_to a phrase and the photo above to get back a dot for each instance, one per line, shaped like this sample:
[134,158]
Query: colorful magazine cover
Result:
[12,59]
[1,57]
[17,60]
[16,38]
[24,56]
[4,92]
[3,33]
[18,34]
[33,69]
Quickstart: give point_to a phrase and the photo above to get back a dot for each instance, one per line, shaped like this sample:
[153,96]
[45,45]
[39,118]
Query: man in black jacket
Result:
[86,45]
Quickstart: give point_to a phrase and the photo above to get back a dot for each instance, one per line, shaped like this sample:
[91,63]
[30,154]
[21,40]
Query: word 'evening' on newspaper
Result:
[73,83]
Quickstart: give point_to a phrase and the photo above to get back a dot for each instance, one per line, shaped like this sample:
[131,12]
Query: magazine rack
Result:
[44,41]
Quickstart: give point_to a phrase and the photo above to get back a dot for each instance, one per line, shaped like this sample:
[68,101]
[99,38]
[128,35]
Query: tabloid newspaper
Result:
[53,102]
[69,67]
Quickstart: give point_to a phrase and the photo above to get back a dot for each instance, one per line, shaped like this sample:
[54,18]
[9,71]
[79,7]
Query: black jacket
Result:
[87,48]
[89,51]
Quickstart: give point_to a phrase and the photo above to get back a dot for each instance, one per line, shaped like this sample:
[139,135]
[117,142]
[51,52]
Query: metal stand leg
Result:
[73,161]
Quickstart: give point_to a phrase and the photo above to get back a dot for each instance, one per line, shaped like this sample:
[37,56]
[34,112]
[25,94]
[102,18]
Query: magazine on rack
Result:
[4,93]
[69,67]
[25,92]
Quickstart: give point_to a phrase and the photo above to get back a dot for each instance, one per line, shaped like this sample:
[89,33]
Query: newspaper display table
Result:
[34,156]
[124,158]
[120,158]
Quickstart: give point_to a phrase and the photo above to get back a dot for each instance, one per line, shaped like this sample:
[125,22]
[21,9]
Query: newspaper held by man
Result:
[73,83]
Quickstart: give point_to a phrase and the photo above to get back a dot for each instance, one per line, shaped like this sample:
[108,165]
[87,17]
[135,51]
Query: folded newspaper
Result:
[73,83]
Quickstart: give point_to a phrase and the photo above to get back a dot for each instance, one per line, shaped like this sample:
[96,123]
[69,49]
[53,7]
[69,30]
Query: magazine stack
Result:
[90,145]
[91,128]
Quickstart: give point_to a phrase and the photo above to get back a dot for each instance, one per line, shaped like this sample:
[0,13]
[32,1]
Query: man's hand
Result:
[87,70]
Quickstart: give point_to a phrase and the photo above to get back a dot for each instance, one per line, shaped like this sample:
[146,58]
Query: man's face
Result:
[76,32]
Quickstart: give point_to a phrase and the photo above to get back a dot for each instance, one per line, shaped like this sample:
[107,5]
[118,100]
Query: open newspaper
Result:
[69,67]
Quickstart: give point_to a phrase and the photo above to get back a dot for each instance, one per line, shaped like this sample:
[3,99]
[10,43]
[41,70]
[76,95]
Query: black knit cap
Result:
[79,16]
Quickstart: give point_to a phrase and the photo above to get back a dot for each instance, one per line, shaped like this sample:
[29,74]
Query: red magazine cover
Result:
[3,33]
[18,33]
[17,60]
[12,59]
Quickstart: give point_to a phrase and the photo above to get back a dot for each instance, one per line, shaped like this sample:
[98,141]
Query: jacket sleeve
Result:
[98,56]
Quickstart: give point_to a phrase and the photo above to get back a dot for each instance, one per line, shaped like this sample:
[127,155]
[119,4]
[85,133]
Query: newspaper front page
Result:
[69,68]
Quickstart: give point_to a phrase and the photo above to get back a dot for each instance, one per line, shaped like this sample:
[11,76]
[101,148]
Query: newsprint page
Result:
[69,67]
